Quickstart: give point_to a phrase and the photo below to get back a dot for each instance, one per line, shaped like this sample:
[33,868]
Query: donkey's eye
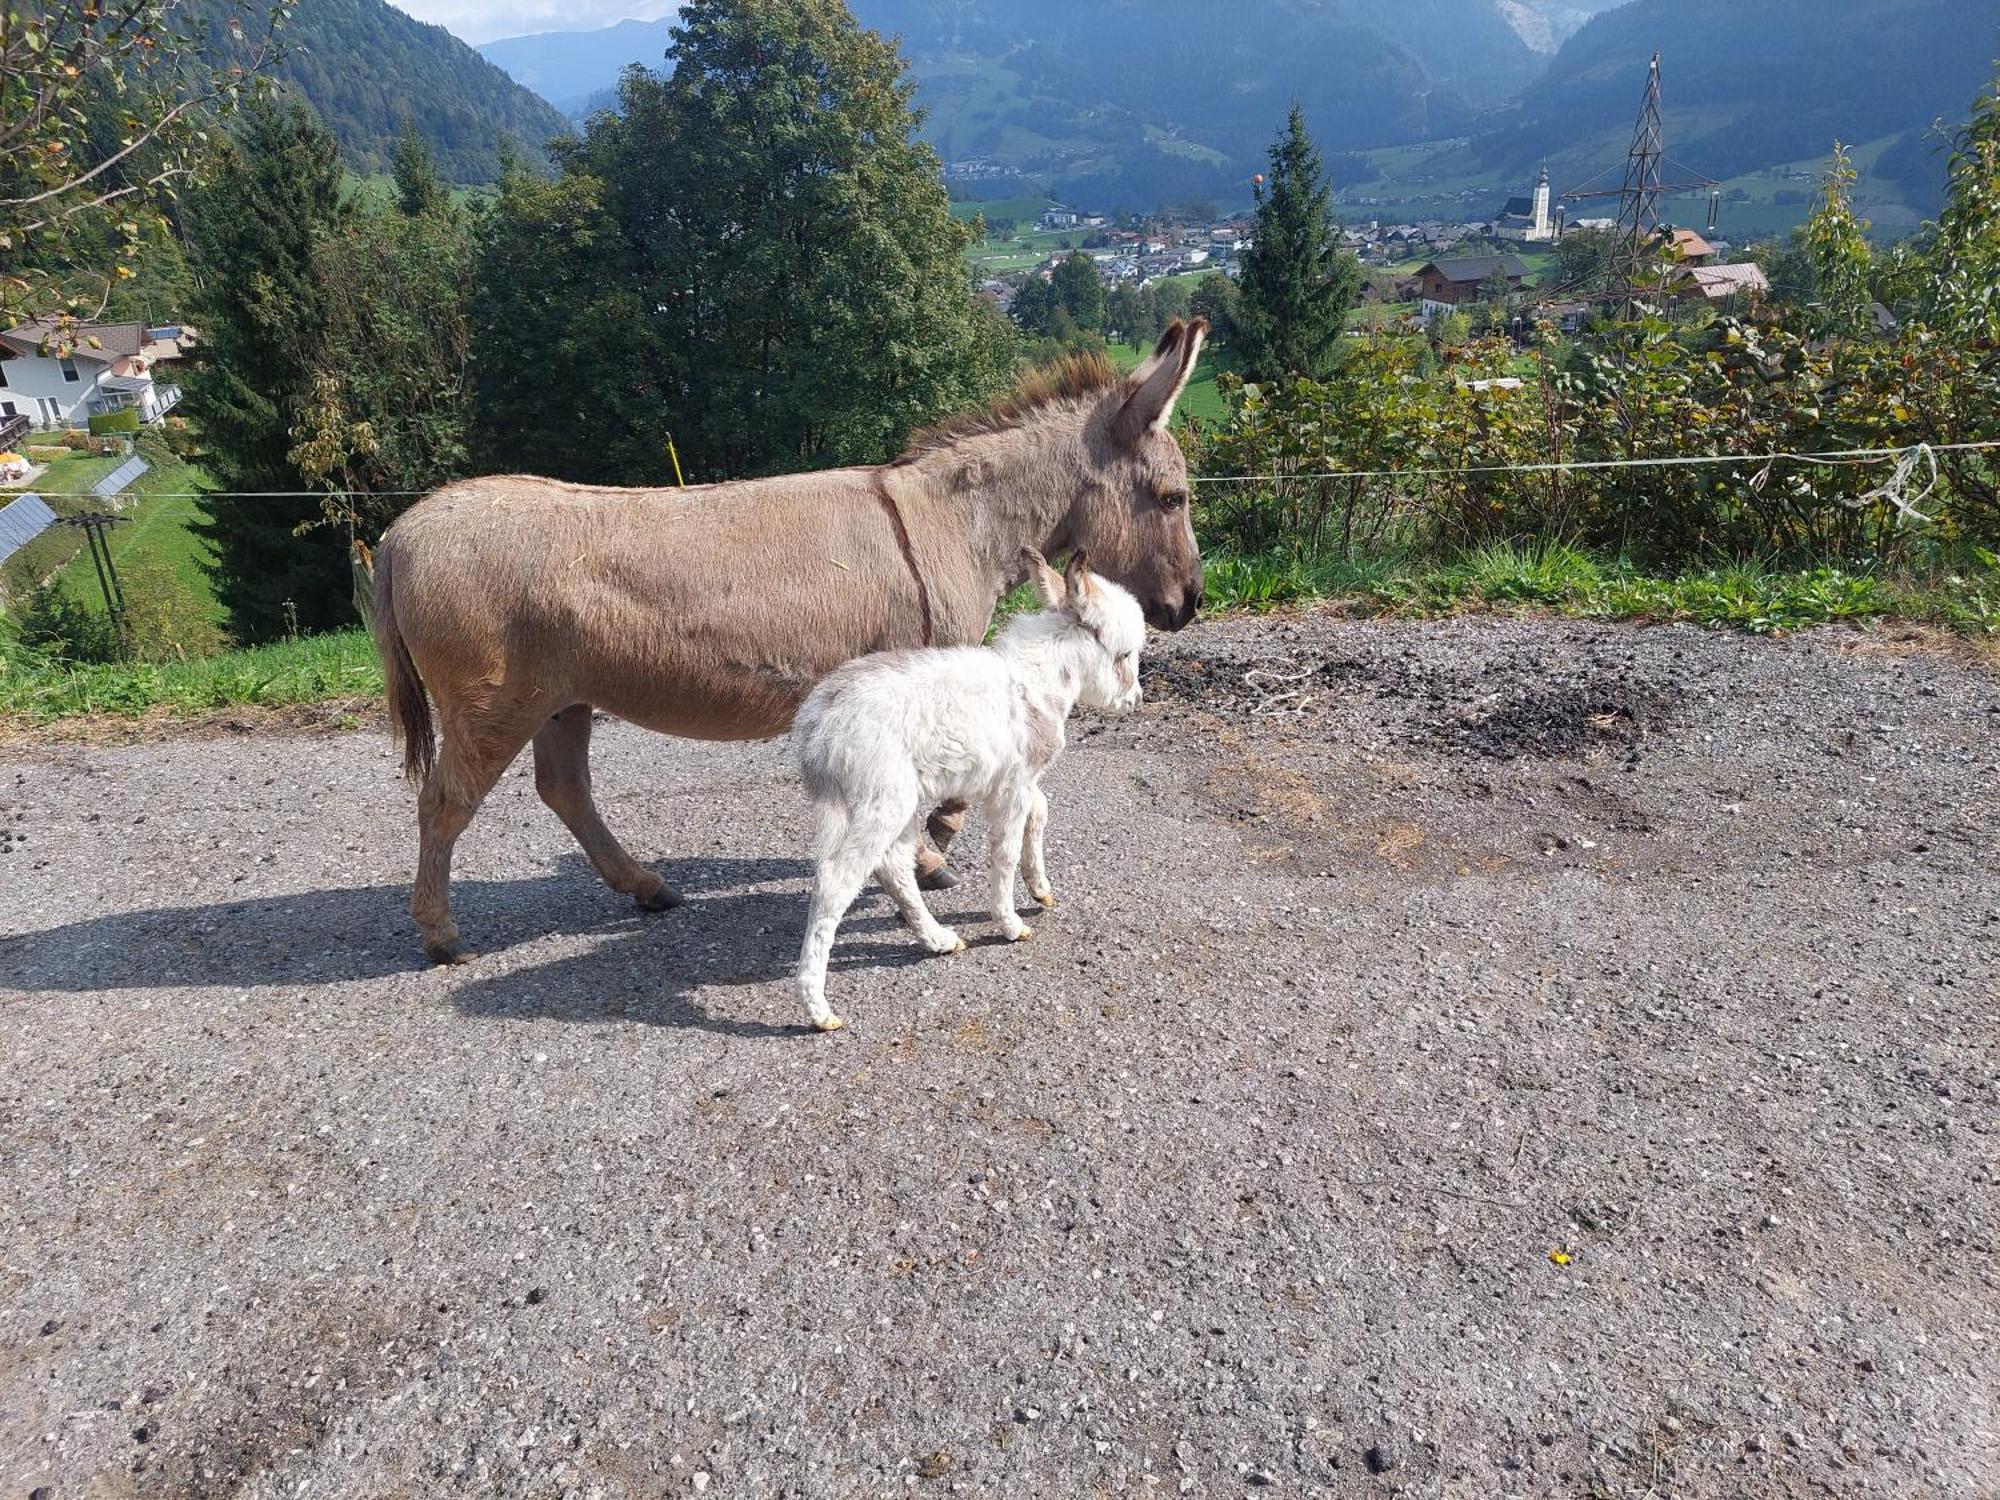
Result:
[1174,501]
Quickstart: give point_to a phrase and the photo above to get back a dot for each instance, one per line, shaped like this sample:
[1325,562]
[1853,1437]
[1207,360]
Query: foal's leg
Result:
[1007,817]
[898,876]
[1034,869]
[562,776]
[844,866]
[943,827]
[469,762]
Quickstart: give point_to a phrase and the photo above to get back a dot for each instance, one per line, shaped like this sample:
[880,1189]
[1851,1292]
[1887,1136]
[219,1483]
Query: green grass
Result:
[1506,576]
[1501,577]
[160,513]
[318,669]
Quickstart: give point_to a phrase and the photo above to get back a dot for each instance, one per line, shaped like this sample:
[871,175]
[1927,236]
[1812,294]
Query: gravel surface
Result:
[1481,1059]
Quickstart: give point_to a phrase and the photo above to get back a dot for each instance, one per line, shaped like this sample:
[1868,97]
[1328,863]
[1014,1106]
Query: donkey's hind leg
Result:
[846,855]
[562,776]
[898,876]
[942,827]
[469,762]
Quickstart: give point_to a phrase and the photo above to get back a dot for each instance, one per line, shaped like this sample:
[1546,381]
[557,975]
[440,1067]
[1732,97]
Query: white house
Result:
[109,368]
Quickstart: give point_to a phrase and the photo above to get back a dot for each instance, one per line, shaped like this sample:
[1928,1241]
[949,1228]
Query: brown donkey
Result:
[520,604]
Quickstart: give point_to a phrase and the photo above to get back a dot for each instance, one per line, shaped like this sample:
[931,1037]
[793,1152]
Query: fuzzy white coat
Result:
[889,736]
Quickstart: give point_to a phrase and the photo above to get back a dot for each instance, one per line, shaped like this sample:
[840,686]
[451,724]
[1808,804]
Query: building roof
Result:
[1520,208]
[1690,245]
[104,342]
[1717,282]
[1475,268]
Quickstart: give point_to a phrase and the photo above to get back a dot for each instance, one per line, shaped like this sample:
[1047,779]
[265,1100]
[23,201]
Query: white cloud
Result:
[478,21]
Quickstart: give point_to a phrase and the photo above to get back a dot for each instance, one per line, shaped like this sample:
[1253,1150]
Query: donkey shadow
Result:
[732,932]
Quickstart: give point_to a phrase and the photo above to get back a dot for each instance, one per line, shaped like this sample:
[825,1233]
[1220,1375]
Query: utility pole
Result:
[93,526]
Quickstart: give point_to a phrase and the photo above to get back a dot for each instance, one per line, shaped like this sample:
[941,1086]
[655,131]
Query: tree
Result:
[1298,282]
[1215,298]
[1961,293]
[263,311]
[1581,257]
[419,189]
[103,112]
[1834,259]
[1033,304]
[1076,289]
[793,273]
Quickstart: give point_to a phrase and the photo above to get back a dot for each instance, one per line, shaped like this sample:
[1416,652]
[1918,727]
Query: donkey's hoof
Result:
[831,1023]
[1046,900]
[1024,935]
[446,955]
[940,879]
[662,897]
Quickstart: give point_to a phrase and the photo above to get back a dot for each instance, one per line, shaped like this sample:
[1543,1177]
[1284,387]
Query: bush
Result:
[77,438]
[125,419]
[57,625]
[45,455]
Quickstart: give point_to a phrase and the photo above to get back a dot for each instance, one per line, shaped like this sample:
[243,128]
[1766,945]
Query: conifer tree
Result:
[1298,283]
[262,311]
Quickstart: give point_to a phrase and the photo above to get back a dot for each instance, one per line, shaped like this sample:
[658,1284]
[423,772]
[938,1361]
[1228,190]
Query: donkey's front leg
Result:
[1034,869]
[1007,819]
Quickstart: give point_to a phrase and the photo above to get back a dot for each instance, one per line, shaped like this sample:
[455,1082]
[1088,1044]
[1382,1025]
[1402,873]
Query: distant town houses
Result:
[60,375]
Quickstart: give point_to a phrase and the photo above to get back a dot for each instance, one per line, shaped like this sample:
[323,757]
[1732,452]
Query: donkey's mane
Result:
[1072,378]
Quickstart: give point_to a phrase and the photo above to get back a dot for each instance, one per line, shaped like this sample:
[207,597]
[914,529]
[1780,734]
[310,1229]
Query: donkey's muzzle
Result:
[1177,615]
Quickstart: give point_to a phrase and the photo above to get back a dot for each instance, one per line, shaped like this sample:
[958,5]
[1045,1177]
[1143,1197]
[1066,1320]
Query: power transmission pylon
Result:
[1638,231]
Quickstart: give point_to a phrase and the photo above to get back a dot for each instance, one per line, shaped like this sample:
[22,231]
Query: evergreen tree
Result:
[262,311]
[1298,282]
[419,189]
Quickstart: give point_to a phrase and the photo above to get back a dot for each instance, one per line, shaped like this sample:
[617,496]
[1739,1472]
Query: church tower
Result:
[1542,230]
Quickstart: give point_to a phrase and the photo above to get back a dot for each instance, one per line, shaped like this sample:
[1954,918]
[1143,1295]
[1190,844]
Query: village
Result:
[1413,273]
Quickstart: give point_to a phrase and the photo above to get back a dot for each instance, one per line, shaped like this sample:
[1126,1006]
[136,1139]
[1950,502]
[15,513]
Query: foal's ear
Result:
[1081,587]
[1045,579]
[1157,384]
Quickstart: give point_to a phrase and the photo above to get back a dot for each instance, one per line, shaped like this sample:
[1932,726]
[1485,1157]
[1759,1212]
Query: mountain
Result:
[575,69]
[367,68]
[1751,86]
[1115,101]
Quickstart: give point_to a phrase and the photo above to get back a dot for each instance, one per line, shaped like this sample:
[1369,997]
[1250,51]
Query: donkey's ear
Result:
[1048,583]
[1157,384]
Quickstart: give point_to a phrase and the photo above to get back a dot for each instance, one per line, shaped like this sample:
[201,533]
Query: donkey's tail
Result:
[409,705]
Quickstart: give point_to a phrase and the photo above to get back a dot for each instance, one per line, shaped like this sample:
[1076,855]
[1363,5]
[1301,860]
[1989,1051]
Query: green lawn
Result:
[157,536]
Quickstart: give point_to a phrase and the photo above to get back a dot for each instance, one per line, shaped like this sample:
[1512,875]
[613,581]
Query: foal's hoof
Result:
[662,898]
[831,1023]
[446,955]
[1023,935]
[940,879]
[1046,900]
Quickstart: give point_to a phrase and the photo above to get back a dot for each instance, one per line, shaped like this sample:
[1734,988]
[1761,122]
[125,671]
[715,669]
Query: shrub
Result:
[125,419]
[57,625]
[46,455]
[77,438]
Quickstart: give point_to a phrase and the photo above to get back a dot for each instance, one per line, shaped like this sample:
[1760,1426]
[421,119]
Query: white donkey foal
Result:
[890,736]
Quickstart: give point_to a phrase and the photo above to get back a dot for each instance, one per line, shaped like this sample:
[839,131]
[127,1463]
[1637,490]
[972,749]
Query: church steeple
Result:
[1542,230]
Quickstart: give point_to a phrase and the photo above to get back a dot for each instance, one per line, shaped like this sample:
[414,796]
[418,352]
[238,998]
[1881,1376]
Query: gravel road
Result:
[1494,1058]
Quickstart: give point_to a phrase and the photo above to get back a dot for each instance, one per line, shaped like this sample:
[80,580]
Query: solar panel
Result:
[21,522]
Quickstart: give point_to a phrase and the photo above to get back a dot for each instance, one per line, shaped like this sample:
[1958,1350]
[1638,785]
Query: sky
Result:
[478,21]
